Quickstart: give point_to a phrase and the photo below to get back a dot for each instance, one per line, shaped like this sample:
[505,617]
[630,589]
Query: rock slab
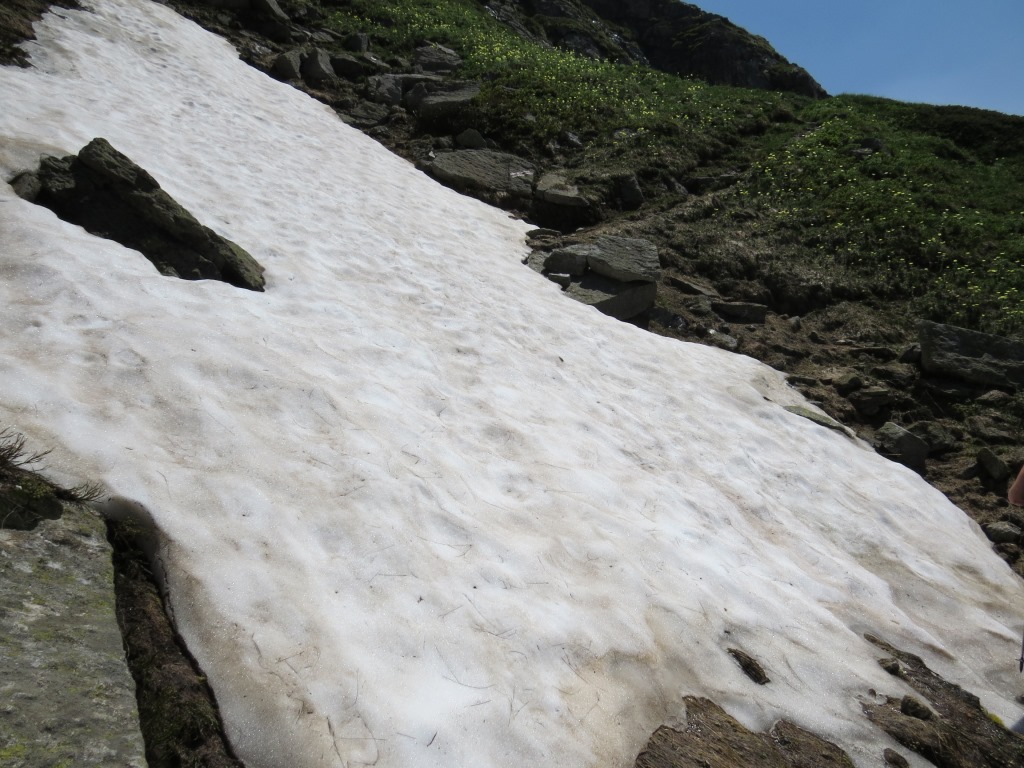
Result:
[484,170]
[618,299]
[66,696]
[982,358]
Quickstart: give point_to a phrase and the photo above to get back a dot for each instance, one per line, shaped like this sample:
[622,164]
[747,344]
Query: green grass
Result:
[533,94]
[935,217]
[927,218]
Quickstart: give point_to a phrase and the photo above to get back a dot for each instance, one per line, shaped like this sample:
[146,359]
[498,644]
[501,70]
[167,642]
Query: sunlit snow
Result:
[418,509]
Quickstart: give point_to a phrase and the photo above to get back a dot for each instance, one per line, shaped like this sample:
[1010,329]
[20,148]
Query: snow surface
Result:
[417,508]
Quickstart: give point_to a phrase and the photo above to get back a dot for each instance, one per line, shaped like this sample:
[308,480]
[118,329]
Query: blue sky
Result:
[967,52]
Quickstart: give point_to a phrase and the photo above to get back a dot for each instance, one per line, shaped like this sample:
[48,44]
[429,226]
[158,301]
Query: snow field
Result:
[418,509]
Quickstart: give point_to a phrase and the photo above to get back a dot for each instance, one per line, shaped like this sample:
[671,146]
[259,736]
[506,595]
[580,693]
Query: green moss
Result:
[874,188]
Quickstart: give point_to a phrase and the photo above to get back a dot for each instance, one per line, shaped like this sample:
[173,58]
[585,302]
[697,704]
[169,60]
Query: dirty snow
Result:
[416,508]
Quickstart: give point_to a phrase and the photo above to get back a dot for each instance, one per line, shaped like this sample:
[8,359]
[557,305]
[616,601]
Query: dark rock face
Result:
[109,196]
[981,358]
[497,173]
[681,38]
[714,738]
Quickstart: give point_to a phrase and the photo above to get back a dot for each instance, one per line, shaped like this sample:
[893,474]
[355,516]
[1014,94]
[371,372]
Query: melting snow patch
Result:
[417,509]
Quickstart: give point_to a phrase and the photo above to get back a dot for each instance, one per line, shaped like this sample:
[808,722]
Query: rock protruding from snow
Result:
[108,195]
[982,358]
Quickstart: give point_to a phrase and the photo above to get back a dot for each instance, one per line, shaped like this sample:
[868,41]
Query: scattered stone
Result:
[364,114]
[484,170]
[723,340]
[802,381]
[911,355]
[436,58]
[571,260]
[903,446]
[847,383]
[471,138]
[231,5]
[627,192]
[986,428]
[995,397]
[385,89]
[947,389]
[898,375]
[750,666]
[316,67]
[939,439]
[972,356]
[895,759]
[740,311]
[913,707]
[870,401]
[561,279]
[353,66]
[541,232]
[1002,532]
[447,102]
[992,465]
[878,352]
[691,286]
[624,258]
[268,10]
[357,42]
[554,188]
[288,65]
[892,666]
[109,196]
[667,319]
[394,89]
[612,297]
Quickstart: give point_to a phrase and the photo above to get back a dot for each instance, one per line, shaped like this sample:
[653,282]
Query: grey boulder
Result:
[973,356]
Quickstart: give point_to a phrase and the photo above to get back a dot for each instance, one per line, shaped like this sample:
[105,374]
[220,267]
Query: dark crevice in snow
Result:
[178,714]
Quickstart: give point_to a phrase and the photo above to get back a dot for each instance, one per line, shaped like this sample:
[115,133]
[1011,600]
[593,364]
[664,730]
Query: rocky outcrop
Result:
[617,275]
[497,174]
[972,356]
[681,38]
[108,195]
[68,698]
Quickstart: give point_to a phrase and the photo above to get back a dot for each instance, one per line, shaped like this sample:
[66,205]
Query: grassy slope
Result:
[932,213]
